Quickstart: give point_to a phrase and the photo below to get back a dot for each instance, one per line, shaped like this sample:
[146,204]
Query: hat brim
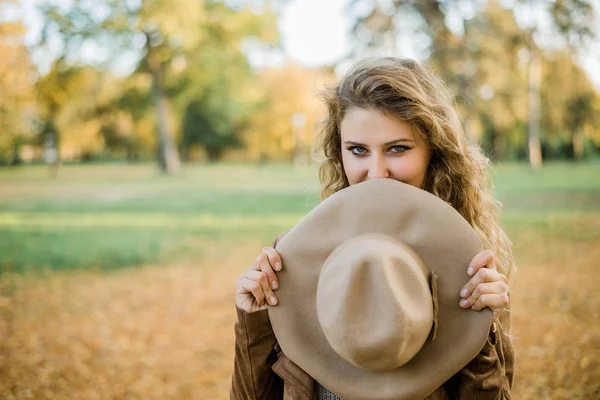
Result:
[435,231]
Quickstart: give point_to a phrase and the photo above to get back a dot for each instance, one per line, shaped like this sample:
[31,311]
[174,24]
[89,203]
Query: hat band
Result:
[434,296]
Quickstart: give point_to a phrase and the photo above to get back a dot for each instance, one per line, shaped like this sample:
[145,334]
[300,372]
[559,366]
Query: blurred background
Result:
[150,148]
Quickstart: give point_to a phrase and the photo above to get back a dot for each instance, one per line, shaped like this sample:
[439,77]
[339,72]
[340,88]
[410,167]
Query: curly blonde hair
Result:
[457,173]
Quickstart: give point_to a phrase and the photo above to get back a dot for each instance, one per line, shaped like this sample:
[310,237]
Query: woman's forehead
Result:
[374,125]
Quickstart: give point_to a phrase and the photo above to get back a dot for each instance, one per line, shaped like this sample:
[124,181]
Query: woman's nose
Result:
[378,168]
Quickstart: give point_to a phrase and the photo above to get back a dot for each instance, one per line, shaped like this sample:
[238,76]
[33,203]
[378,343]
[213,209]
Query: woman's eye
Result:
[398,149]
[357,150]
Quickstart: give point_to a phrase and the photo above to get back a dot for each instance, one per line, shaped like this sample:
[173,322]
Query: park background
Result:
[150,148]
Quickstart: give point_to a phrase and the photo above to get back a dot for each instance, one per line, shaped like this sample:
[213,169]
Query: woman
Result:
[391,118]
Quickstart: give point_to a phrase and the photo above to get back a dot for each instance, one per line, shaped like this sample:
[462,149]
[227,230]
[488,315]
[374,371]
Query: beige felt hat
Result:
[369,293]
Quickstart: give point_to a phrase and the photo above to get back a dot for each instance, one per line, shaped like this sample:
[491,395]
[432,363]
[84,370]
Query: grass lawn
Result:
[70,329]
[111,217]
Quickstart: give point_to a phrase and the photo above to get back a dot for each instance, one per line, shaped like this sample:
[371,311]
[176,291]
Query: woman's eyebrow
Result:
[354,143]
[405,140]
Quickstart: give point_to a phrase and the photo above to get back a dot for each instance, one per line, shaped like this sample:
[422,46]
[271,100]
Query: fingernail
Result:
[278,266]
[472,307]
[274,285]
[470,271]
[464,303]
[259,257]
[273,300]
[464,292]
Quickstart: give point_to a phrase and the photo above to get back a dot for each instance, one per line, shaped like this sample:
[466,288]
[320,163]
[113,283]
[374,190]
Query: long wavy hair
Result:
[457,173]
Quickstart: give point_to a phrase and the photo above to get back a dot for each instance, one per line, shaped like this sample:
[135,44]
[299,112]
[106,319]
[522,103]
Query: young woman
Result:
[391,118]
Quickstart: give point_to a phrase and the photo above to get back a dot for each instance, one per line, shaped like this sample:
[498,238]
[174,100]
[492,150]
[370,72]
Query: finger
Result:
[482,259]
[274,258]
[253,287]
[496,302]
[256,263]
[483,275]
[266,267]
[238,285]
[262,279]
[496,287]
[259,277]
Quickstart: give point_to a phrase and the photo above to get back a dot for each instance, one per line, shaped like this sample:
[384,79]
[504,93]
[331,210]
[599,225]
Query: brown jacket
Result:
[262,372]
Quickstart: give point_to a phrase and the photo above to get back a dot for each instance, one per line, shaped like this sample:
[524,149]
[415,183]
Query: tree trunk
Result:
[498,144]
[51,144]
[214,154]
[577,145]
[15,158]
[535,72]
[167,153]
[465,81]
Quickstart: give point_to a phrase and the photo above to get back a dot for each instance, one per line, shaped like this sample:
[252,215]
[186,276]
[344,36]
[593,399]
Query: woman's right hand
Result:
[255,287]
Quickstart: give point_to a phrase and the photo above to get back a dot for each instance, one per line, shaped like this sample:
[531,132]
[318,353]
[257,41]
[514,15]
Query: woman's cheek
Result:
[350,169]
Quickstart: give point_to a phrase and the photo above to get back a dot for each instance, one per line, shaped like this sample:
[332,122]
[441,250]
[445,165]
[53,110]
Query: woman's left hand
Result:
[487,287]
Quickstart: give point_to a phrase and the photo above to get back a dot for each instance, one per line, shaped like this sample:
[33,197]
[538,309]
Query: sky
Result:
[315,32]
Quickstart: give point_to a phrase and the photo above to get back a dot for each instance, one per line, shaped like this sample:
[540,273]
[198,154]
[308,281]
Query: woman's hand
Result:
[255,287]
[487,287]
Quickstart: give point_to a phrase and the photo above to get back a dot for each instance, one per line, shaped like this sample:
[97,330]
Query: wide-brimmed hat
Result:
[369,293]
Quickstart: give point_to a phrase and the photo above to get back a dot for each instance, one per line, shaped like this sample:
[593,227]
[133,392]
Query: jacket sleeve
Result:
[490,374]
[255,354]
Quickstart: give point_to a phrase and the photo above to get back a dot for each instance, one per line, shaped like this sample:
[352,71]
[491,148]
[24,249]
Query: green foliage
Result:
[16,96]
[484,58]
[570,107]
[192,83]
[206,129]
[188,52]
[214,92]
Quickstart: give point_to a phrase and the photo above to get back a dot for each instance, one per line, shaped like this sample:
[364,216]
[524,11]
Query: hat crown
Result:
[374,302]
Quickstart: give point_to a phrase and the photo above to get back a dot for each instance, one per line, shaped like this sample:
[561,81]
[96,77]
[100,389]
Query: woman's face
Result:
[378,146]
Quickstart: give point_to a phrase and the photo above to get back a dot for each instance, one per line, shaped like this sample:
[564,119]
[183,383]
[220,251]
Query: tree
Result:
[16,101]
[570,21]
[569,104]
[201,127]
[165,35]
[215,90]
[452,54]
[449,52]
[59,94]
[458,54]
[286,91]
[498,99]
